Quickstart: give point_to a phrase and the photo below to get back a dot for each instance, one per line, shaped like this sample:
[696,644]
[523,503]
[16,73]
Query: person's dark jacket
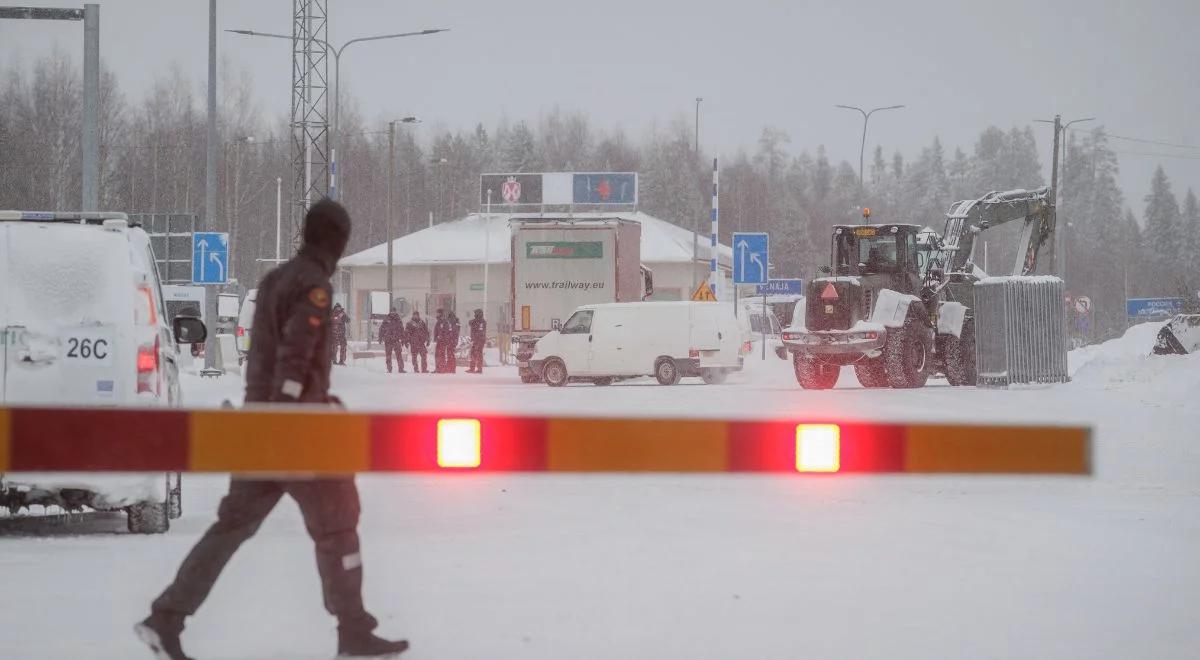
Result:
[441,330]
[340,322]
[478,328]
[290,341]
[391,331]
[454,330]
[418,335]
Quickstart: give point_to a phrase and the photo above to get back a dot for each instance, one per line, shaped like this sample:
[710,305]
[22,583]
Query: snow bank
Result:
[1126,364]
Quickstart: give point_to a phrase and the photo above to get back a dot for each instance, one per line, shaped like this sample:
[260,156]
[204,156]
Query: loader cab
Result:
[888,251]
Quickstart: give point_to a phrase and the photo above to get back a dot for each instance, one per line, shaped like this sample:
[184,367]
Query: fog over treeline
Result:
[153,160]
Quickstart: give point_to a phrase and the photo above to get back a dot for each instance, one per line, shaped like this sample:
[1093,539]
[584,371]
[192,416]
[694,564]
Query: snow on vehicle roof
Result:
[58,274]
[462,241]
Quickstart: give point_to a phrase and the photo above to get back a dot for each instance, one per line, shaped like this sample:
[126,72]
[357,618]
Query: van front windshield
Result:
[580,323]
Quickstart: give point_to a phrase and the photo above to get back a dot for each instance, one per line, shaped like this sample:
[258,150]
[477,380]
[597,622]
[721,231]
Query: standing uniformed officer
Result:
[441,328]
[478,328]
[418,342]
[340,331]
[453,332]
[392,334]
[288,363]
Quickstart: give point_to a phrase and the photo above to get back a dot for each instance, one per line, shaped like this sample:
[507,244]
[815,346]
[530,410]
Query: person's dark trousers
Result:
[476,358]
[451,359]
[393,348]
[340,352]
[330,509]
[424,355]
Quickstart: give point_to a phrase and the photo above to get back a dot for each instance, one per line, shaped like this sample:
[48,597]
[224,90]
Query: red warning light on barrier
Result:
[458,443]
[818,448]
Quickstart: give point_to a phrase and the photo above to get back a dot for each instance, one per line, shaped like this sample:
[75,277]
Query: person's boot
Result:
[367,645]
[161,633]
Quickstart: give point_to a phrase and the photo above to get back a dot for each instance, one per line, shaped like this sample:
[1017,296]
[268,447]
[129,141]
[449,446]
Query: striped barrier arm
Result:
[303,441]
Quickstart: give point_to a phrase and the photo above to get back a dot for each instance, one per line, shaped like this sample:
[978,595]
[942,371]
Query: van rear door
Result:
[68,309]
[705,327]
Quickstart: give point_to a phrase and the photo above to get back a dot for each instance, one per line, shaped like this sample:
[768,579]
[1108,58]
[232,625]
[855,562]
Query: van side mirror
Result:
[189,330]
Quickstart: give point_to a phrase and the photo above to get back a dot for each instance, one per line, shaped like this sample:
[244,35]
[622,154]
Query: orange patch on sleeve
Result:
[314,321]
[319,297]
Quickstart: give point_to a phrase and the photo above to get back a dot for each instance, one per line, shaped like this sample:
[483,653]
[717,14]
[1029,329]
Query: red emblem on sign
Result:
[830,293]
[604,189]
[510,190]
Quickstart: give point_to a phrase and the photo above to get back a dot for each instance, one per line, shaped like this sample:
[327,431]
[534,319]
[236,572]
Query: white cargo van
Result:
[244,323]
[667,340]
[83,323]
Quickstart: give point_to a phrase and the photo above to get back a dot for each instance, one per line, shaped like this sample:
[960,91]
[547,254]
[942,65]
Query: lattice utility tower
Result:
[310,106]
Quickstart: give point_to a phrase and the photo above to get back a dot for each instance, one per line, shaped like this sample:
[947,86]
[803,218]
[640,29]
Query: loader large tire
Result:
[959,354]
[871,373]
[906,354]
[814,375]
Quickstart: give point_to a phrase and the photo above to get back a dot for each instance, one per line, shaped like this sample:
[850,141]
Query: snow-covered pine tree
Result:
[1162,221]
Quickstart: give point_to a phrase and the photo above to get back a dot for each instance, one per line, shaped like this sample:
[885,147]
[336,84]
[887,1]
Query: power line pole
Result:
[695,233]
[209,220]
[1056,267]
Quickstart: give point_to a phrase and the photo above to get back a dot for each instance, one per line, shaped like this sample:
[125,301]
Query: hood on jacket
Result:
[394,316]
[326,232]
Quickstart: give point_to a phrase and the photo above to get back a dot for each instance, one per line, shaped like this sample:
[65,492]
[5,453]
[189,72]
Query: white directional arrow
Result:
[743,246]
[754,256]
[203,248]
[216,259]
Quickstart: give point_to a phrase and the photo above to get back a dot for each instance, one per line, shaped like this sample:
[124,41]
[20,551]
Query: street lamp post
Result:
[337,80]
[862,149]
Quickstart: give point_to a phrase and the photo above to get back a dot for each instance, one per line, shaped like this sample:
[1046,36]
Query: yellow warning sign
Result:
[704,294]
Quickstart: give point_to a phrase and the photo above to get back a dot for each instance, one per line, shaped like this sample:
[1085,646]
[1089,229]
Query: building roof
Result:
[462,241]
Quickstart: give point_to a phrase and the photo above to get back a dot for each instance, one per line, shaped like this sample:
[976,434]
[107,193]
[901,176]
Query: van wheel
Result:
[554,372]
[147,518]
[713,376]
[602,382]
[814,375]
[666,371]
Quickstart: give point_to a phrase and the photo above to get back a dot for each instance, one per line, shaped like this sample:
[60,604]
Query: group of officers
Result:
[395,334]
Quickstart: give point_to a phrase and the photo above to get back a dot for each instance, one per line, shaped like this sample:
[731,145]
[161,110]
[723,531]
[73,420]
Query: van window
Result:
[580,323]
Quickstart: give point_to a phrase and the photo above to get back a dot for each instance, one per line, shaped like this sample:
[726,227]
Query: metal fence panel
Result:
[171,240]
[1020,331]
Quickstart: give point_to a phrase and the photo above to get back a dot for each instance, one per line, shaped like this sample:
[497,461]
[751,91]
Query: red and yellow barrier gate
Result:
[303,441]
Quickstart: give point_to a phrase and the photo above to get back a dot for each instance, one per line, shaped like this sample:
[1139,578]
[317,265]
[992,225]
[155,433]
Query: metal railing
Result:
[1020,331]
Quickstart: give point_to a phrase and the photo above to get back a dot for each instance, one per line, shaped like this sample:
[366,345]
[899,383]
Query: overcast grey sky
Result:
[958,65]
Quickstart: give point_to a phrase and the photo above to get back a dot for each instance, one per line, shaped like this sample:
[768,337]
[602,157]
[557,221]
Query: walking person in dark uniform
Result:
[391,333]
[288,364]
[418,342]
[453,332]
[340,321]
[440,328]
[478,328]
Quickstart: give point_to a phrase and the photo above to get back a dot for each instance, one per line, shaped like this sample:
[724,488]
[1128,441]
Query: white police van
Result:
[83,323]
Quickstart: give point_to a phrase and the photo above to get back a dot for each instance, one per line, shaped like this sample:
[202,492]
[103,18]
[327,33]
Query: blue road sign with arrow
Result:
[210,257]
[750,252]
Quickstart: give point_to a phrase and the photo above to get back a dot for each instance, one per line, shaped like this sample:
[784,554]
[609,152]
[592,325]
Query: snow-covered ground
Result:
[611,566]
